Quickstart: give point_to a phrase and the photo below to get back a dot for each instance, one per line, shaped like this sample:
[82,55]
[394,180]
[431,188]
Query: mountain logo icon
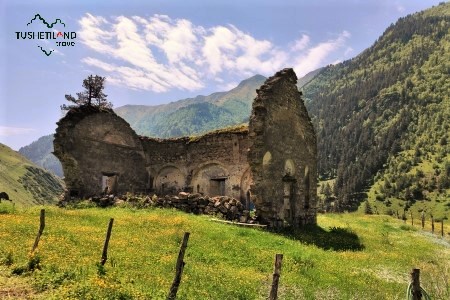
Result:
[60,38]
[45,22]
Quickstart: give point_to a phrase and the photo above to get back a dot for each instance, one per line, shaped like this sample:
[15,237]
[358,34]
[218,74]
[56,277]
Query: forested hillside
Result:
[382,118]
[40,152]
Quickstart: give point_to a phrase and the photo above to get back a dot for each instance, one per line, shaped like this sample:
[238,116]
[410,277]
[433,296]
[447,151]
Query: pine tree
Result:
[367,208]
[92,95]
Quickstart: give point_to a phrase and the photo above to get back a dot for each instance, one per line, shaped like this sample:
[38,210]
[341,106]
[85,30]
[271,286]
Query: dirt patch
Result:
[12,287]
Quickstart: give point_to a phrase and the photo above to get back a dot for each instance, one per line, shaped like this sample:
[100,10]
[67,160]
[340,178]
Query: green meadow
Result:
[347,256]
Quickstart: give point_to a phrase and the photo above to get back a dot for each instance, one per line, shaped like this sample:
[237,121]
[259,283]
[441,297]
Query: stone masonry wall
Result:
[213,164]
[98,149]
[282,154]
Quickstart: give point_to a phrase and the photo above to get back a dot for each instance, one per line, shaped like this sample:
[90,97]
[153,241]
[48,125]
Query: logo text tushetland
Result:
[60,38]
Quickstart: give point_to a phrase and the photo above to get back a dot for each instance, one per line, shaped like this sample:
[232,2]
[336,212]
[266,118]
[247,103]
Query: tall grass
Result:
[346,256]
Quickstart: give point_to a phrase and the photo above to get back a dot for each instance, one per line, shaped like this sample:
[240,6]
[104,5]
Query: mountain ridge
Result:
[40,152]
[157,121]
[24,182]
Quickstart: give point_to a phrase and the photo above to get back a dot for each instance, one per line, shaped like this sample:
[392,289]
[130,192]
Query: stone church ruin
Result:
[271,164]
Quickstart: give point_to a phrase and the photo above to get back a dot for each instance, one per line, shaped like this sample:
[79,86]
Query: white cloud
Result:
[160,53]
[400,8]
[57,51]
[301,44]
[180,42]
[348,51]
[99,64]
[315,56]
[218,47]
[138,68]
[10,131]
[93,35]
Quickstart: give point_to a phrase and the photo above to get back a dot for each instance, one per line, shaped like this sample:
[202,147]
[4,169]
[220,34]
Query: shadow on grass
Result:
[336,238]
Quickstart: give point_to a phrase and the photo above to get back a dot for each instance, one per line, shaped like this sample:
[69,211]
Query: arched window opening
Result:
[306,182]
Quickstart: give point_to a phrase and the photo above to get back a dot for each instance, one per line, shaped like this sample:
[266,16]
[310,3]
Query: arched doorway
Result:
[211,179]
[170,180]
[246,196]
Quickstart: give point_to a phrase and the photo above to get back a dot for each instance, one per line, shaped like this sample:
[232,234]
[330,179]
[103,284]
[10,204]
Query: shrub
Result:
[34,263]
[7,259]
[380,197]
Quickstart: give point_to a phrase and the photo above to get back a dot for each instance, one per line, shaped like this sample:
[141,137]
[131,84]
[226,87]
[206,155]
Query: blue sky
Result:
[154,52]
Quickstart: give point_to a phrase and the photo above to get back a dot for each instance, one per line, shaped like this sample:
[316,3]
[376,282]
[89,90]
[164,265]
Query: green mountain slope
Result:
[40,152]
[194,116]
[382,118]
[194,119]
[308,78]
[24,182]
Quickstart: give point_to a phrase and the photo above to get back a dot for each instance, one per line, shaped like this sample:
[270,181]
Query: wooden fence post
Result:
[432,224]
[41,230]
[276,277]
[105,246]
[423,220]
[412,219]
[179,268]
[442,228]
[415,280]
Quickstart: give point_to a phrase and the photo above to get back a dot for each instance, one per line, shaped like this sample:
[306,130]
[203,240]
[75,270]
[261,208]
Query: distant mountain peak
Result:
[252,80]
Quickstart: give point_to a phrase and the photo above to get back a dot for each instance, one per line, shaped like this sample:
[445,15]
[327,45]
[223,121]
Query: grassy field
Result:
[347,256]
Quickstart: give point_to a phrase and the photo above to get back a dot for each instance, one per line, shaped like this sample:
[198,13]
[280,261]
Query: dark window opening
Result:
[307,188]
[287,199]
[150,182]
[109,183]
[289,194]
[249,205]
[217,186]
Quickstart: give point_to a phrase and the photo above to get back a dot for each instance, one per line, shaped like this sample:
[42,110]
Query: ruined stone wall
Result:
[273,161]
[98,149]
[213,164]
[282,154]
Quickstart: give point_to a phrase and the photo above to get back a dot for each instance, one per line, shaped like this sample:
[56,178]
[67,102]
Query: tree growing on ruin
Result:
[91,96]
